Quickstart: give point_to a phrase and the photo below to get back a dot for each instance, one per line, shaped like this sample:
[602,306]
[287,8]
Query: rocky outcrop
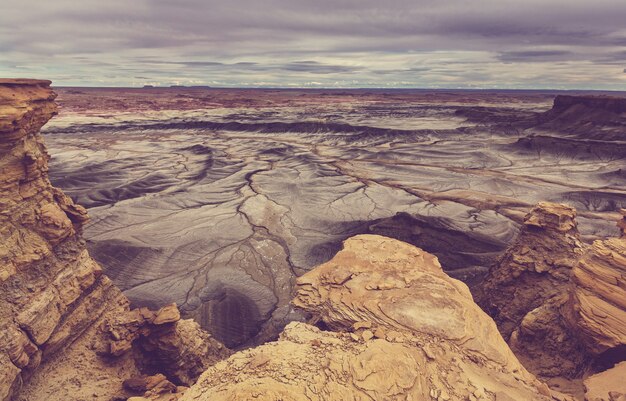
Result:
[55,303]
[597,305]
[51,290]
[534,269]
[392,326]
[163,343]
[561,304]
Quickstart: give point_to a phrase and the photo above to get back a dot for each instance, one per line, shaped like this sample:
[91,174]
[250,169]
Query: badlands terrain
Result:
[311,245]
[217,199]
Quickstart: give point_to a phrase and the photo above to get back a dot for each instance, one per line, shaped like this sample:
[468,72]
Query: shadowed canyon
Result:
[218,199]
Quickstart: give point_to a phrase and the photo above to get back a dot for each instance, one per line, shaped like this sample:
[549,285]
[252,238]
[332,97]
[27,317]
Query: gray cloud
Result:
[535,55]
[426,43]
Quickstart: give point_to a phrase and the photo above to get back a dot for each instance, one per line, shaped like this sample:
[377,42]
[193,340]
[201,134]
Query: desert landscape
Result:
[217,199]
[218,244]
[330,200]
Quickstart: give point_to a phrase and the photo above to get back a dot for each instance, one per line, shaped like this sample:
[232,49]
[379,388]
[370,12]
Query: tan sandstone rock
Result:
[597,306]
[527,288]
[438,344]
[54,299]
[573,313]
[51,291]
[163,343]
[609,385]
[534,268]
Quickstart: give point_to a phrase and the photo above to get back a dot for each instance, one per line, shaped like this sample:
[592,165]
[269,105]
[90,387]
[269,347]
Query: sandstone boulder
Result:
[400,329]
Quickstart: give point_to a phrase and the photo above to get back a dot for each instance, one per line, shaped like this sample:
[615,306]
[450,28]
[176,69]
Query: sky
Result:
[556,44]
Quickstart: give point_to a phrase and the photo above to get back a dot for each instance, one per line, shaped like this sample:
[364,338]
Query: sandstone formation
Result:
[561,304]
[608,385]
[57,309]
[164,343]
[395,327]
[598,297]
[535,268]
[51,289]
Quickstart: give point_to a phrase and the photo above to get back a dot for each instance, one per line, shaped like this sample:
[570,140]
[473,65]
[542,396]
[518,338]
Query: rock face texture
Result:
[51,289]
[535,268]
[164,343]
[561,305]
[598,297]
[398,328]
[56,307]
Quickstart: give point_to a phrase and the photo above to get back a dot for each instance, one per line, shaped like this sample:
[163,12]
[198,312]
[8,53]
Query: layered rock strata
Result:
[56,306]
[163,343]
[597,303]
[561,305]
[394,326]
[535,268]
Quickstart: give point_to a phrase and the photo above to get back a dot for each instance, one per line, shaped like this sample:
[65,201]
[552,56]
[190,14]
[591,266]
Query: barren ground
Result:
[216,199]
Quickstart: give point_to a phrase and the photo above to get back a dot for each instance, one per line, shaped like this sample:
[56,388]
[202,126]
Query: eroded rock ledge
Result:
[560,304]
[59,315]
[400,329]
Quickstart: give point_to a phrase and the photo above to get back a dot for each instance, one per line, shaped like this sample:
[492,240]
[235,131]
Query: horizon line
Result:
[380,88]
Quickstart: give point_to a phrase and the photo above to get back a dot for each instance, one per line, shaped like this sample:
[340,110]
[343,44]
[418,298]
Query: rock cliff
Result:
[391,325]
[585,117]
[611,104]
[535,268]
[561,304]
[58,312]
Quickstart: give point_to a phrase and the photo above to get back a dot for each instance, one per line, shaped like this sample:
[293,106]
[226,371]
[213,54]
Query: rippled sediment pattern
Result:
[217,199]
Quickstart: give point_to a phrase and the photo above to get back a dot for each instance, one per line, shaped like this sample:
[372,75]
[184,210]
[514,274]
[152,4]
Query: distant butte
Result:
[613,104]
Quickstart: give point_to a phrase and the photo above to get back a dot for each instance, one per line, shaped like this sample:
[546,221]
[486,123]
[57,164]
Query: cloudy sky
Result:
[318,43]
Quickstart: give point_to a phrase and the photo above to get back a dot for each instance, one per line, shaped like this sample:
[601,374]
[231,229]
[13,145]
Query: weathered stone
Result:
[398,288]
[53,295]
[597,306]
[608,385]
